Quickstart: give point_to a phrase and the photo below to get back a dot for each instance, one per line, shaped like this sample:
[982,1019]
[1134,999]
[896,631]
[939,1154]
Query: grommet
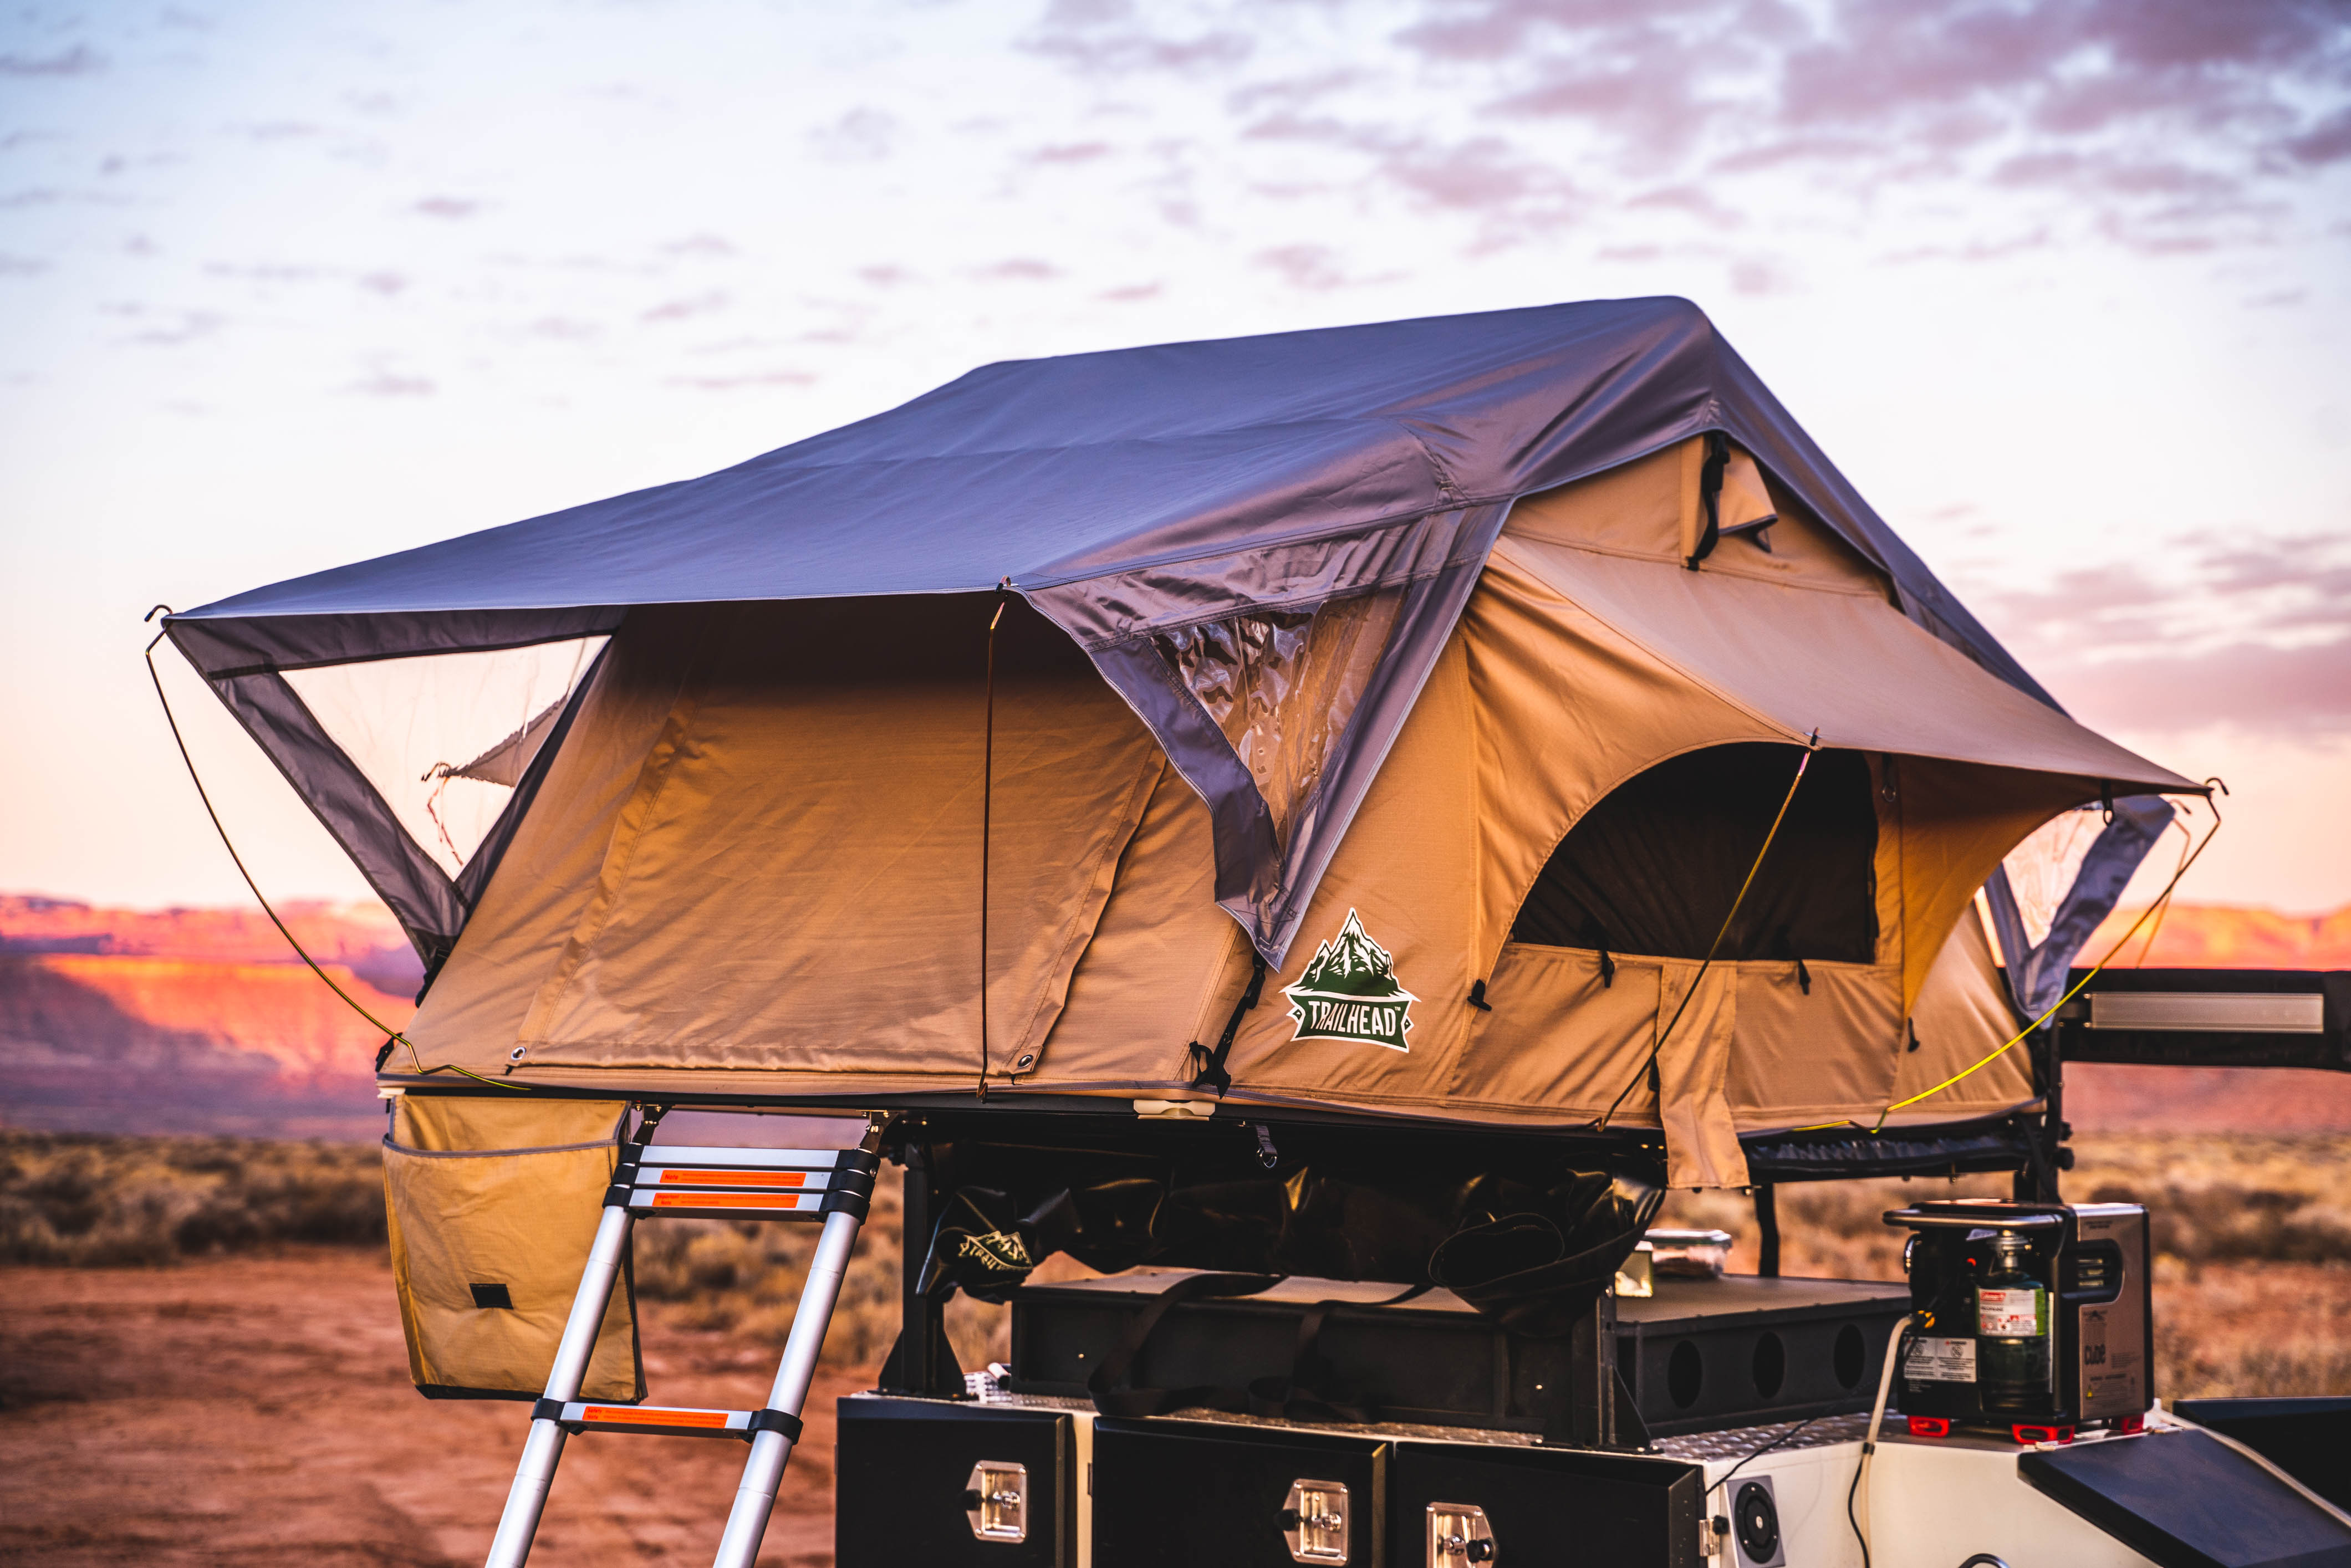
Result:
[516,1055]
[1028,1060]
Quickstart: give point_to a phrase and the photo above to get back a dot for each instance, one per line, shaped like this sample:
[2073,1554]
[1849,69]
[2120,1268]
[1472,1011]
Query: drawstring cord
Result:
[350,1001]
[1649,1068]
[986,805]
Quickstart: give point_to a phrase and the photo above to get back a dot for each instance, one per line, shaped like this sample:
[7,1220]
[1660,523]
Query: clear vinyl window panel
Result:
[445,737]
[1282,686]
[2042,870]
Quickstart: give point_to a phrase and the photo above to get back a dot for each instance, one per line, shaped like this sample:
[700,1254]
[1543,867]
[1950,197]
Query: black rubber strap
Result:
[1311,1392]
[851,1191]
[1709,491]
[1212,1073]
[548,1410]
[632,1154]
[1111,1400]
[783,1421]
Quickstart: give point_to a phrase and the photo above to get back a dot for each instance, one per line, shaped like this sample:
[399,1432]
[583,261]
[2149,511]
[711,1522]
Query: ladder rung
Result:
[706,1177]
[703,1204]
[657,1421]
[742,1159]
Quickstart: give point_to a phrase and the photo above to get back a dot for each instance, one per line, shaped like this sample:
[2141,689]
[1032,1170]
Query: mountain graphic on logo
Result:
[1350,992]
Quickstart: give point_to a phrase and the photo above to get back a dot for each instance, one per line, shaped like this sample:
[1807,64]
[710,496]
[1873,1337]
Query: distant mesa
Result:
[194,1021]
[201,1020]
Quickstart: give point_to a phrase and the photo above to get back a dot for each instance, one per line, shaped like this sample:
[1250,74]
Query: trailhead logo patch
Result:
[1350,992]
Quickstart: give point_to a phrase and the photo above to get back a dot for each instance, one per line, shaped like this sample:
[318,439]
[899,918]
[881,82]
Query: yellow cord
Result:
[2071,993]
[1655,1051]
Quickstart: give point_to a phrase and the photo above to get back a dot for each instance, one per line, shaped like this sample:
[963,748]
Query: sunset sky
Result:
[2063,286]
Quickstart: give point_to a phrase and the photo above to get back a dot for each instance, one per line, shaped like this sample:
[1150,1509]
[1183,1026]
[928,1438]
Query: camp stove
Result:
[2028,1319]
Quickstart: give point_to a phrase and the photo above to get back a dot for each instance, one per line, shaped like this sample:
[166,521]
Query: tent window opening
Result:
[1282,686]
[446,738]
[1655,866]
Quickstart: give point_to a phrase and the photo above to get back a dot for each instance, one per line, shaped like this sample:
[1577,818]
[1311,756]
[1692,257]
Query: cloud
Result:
[860,136]
[2159,128]
[1106,38]
[448,207]
[386,383]
[750,378]
[682,309]
[2247,631]
[2300,692]
[1069,152]
[1017,269]
[1131,293]
[1302,266]
[78,61]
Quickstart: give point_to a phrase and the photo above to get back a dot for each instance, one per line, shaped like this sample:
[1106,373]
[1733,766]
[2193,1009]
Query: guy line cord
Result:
[202,794]
[2153,911]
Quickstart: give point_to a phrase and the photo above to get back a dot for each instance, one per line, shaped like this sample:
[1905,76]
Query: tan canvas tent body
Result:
[1413,759]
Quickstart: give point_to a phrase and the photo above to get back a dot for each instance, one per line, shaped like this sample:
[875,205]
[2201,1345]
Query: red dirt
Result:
[242,1410]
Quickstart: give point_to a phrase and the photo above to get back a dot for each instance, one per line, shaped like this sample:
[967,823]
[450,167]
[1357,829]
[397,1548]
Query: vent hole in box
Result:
[1770,1366]
[1846,1359]
[1684,1375]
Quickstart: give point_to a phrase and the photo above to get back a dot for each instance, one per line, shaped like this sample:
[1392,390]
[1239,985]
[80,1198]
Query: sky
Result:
[2063,286]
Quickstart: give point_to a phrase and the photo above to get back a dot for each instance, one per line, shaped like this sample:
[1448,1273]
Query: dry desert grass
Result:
[2252,1236]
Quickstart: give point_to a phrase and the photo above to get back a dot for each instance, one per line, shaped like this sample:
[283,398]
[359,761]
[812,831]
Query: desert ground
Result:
[242,1409]
[201,1359]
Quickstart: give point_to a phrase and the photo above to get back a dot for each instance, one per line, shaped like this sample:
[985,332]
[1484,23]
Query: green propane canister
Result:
[2027,1318]
[2012,1327]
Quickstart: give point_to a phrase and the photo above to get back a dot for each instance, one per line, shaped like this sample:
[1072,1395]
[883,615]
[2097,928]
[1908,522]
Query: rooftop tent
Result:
[1167,507]
[1478,652]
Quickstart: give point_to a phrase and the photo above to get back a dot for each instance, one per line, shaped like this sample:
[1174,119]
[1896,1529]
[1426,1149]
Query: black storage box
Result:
[1182,1494]
[1430,1360]
[1542,1505]
[903,1487]
[1700,1356]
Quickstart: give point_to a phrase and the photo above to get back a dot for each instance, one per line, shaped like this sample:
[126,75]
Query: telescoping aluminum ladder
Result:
[834,1186]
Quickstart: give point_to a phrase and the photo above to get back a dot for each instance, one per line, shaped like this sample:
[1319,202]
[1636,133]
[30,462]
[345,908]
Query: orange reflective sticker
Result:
[625,1415]
[724,1200]
[736,1178]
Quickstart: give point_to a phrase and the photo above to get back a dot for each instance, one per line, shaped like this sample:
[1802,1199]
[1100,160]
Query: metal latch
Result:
[1314,1521]
[996,1501]
[1458,1533]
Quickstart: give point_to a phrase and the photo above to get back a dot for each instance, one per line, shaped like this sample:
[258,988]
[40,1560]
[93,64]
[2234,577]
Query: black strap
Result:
[1113,1400]
[1309,1393]
[1784,948]
[1212,1073]
[1595,935]
[850,1190]
[1709,495]
[633,1154]
[783,1421]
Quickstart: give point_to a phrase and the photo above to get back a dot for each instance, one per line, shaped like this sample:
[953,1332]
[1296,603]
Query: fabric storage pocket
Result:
[492,1208]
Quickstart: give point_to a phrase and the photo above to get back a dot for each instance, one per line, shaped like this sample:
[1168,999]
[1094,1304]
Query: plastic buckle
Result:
[1929,1427]
[2129,1425]
[2025,1434]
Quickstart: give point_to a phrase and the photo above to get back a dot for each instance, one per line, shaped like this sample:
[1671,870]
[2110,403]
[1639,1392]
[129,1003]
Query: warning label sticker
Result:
[2012,1314]
[1940,1361]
